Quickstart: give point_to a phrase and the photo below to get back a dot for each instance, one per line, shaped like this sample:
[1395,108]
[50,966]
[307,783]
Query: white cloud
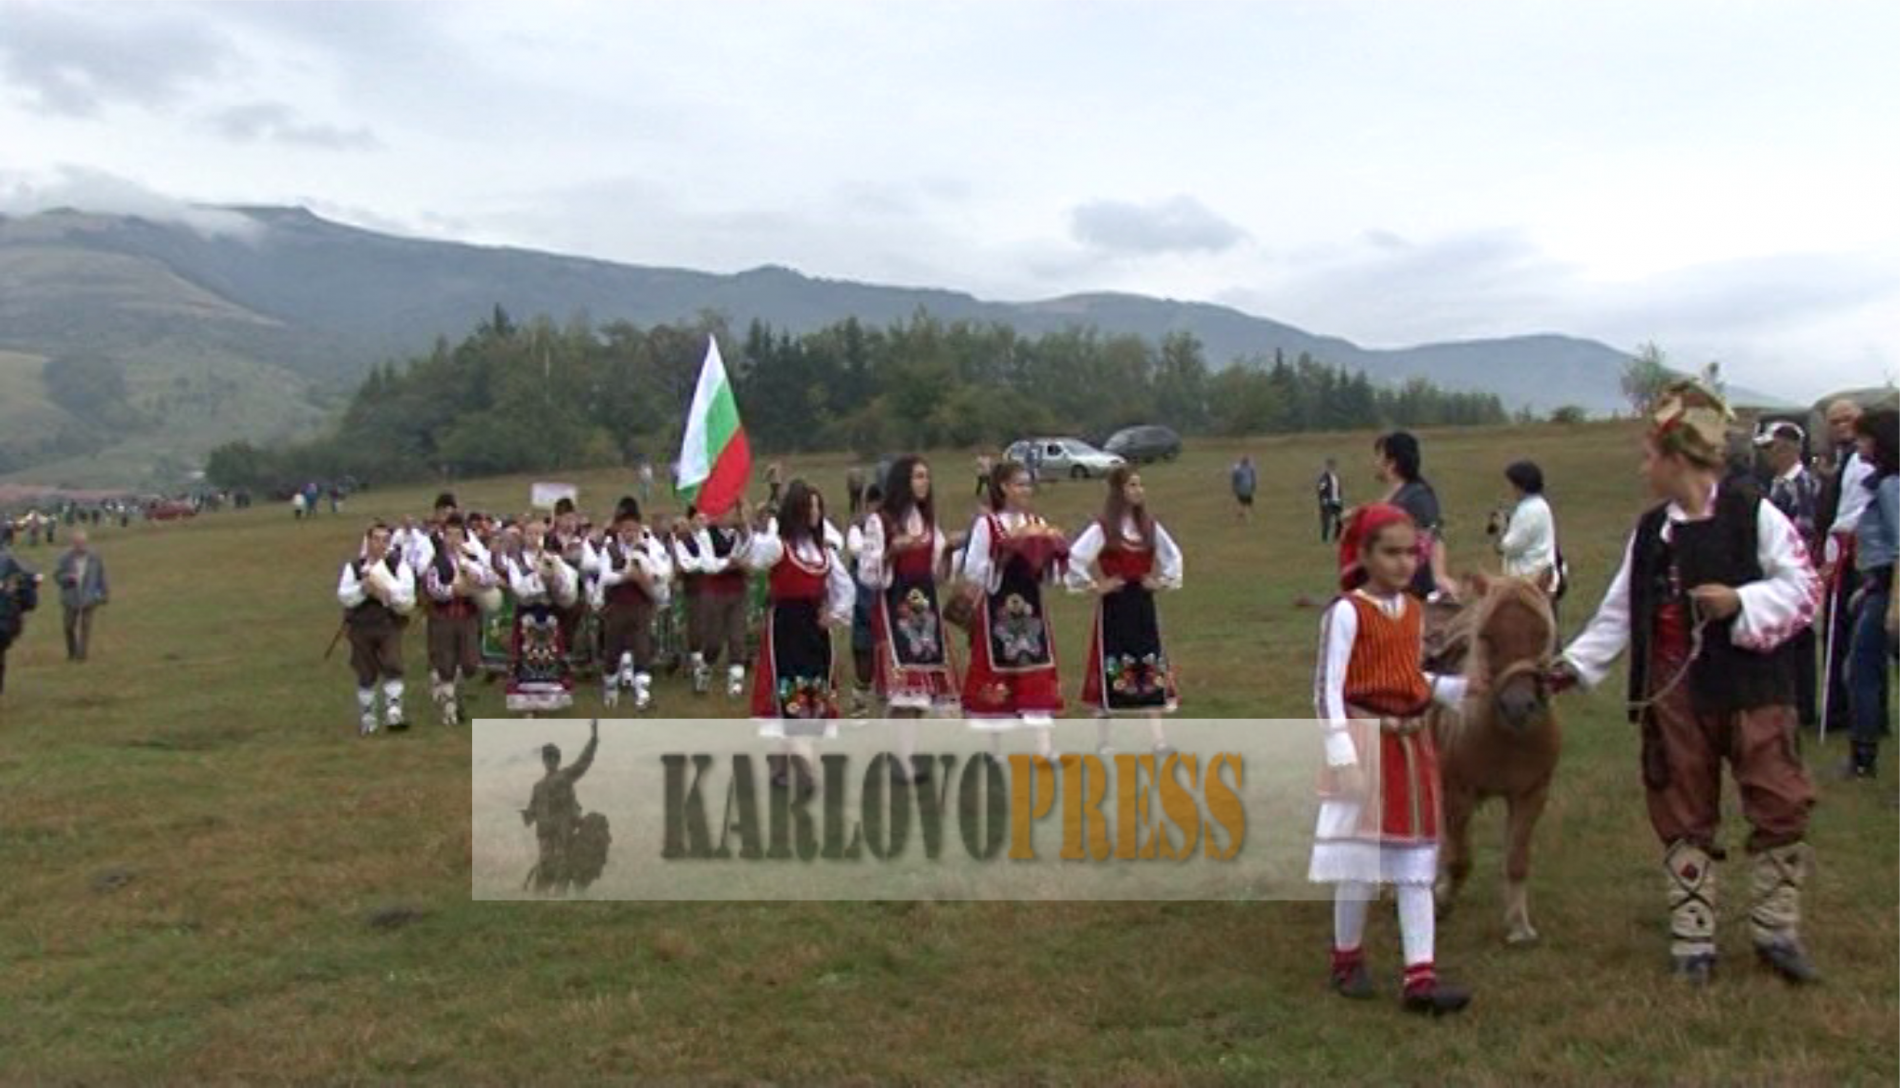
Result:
[274,122]
[77,187]
[1177,224]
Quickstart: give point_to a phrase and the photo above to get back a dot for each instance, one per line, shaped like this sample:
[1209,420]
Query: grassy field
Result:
[205,875]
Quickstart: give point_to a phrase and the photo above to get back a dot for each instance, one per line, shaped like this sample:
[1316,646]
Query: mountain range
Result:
[130,346]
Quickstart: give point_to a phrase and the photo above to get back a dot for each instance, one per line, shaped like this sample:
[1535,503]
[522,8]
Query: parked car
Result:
[1069,457]
[1145,443]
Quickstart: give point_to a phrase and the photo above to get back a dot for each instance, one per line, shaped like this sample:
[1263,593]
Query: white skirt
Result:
[1008,723]
[1340,857]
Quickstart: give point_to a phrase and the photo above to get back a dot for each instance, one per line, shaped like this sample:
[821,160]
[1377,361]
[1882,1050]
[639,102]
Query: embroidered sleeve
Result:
[435,587]
[1337,631]
[1167,560]
[349,590]
[1082,555]
[977,566]
[759,551]
[840,594]
[405,595]
[871,555]
[1593,652]
[1783,603]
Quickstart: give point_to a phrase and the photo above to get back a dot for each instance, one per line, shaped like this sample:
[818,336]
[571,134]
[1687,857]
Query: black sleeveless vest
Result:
[1721,549]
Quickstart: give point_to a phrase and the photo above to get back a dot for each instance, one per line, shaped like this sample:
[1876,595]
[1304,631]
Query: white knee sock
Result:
[1418,923]
[906,742]
[366,700]
[1351,902]
[392,694]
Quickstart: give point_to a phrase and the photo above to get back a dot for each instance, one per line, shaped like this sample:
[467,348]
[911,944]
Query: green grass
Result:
[209,750]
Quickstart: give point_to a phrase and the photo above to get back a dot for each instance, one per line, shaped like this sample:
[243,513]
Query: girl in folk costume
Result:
[1128,670]
[902,550]
[1713,584]
[377,591]
[635,575]
[1371,640]
[457,581]
[544,586]
[1012,682]
[863,635]
[794,693]
[718,619]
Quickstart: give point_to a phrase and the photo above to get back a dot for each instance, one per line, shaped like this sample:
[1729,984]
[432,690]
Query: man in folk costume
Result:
[1128,669]
[377,591]
[457,576]
[1373,698]
[1714,583]
[794,690]
[1013,680]
[718,619]
[544,586]
[635,580]
[900,553]
[567,538]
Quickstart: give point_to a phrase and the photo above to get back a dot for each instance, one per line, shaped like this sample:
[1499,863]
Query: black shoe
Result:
[1436,999]
[1696,970]
[1354,983]
[1789,960]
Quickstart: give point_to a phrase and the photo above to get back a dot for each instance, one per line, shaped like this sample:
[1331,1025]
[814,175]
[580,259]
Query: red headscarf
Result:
[1365,524]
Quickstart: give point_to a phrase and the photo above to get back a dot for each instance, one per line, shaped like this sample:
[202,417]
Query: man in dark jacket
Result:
[81,575]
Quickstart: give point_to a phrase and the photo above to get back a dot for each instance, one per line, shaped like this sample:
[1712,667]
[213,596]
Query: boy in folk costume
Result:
[1714,583]
[543,585]
[1012,682]
[901,552]
[794,692]
[635,579]
[453,580]
[1371,640]
[377,591]
[719,616]
[1128,670]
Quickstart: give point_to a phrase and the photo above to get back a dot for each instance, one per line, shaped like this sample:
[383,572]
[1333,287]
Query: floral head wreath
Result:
[1691,420]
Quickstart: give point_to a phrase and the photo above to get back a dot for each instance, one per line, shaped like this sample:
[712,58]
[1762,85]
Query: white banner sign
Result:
[543,496]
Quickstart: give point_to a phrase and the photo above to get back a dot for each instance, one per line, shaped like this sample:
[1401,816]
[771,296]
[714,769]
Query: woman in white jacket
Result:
[1528,540]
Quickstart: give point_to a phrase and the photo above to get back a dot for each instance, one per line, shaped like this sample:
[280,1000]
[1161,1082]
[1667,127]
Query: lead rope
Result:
[1695,651]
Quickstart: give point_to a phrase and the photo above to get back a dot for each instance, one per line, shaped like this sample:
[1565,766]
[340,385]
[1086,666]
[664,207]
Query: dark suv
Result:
[1146,443]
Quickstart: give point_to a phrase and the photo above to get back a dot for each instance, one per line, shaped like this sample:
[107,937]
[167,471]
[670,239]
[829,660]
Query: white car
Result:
[1069,457]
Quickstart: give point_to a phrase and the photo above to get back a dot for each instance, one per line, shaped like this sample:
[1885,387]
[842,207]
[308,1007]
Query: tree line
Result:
[535,397]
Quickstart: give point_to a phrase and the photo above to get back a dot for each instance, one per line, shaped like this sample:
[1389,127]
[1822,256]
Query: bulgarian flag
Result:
[715,461]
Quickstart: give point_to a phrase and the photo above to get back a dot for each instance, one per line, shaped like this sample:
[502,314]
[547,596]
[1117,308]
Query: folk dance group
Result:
[882,579]
[557,573]
[1714,583]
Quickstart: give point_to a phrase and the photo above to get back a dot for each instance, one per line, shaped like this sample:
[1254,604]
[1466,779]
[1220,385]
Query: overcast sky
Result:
[1721,178]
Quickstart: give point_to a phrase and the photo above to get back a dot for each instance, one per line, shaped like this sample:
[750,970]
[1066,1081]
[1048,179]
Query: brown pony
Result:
[1504,743]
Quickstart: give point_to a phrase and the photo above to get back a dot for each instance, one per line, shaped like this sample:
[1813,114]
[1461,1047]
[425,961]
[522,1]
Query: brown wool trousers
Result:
[1683,752]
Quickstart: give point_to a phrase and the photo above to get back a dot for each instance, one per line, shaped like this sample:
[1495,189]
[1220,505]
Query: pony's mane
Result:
[1461,645]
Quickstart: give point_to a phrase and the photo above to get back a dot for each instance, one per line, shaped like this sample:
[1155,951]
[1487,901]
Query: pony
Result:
[1504,743]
